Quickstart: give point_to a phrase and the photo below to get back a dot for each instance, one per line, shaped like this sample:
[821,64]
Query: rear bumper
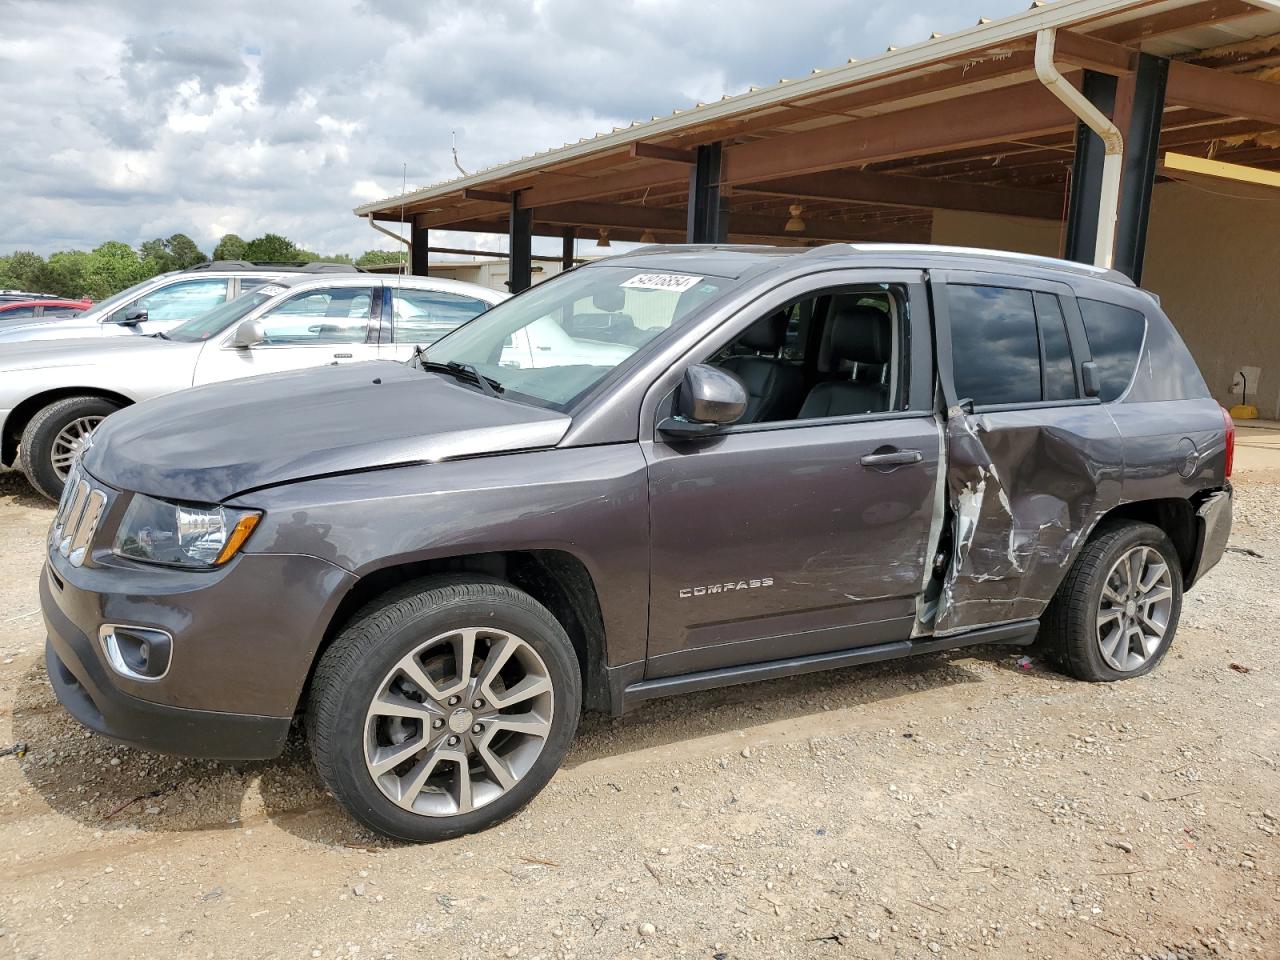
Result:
[1213,522]
[85,688]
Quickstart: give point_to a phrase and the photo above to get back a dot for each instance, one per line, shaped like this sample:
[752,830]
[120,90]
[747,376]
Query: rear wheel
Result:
[55,436]
[444,708]
[1116,613]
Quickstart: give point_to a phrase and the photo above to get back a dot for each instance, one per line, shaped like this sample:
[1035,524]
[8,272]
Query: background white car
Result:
[159,303]
[54,393]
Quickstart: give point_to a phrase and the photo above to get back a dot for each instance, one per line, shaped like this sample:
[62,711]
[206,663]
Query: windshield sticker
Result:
[271,289]
[673,282]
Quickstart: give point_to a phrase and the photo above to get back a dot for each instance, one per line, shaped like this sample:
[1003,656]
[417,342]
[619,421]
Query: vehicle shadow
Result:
[110,787]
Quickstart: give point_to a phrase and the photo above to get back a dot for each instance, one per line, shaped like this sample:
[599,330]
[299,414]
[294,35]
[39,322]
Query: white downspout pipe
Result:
[390,233]
[1099,123]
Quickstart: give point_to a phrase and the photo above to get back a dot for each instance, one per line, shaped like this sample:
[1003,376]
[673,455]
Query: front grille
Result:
[79,512]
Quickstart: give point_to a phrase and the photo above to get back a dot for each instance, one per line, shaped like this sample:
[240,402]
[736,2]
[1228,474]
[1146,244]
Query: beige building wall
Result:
[1213,260]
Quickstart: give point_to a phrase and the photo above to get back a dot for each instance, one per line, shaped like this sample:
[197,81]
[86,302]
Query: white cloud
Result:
[129,120]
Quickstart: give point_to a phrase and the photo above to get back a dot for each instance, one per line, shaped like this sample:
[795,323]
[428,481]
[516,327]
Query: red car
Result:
[38,308]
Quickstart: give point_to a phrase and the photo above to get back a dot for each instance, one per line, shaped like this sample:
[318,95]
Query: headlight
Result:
[160,532]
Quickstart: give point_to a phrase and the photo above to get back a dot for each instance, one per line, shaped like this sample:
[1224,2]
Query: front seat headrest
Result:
[768,334]
[862,334]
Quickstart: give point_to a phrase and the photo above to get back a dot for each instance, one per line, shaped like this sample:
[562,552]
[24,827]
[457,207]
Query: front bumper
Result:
[83,686]
[244,639]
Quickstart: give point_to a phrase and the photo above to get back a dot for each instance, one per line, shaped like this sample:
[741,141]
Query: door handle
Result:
[892,458]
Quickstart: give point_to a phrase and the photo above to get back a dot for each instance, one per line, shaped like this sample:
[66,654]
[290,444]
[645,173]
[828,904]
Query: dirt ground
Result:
[950,806]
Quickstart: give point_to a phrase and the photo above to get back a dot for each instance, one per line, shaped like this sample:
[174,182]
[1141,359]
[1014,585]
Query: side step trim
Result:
[1021,632]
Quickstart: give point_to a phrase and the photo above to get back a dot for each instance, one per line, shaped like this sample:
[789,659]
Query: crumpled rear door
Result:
[1025,484]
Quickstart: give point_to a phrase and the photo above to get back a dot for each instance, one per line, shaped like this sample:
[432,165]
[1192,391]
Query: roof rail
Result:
[284,266]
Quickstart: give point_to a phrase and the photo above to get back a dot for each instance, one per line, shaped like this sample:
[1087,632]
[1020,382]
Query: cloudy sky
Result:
[132,119]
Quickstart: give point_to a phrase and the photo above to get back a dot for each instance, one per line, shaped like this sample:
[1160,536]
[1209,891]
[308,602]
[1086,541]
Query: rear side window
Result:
[1115,339]
[995,353]
[424,316]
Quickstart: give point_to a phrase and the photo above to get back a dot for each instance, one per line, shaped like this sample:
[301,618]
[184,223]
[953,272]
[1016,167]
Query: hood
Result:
[46,328]
[210,443]
[82,351]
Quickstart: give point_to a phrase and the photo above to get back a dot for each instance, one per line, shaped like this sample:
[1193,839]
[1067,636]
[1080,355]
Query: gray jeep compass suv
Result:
[672,470]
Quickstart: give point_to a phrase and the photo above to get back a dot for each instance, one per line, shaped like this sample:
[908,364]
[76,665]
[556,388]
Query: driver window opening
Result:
[833,354]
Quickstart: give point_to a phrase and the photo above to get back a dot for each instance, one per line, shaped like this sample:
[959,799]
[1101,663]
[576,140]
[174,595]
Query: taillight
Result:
[1231,441]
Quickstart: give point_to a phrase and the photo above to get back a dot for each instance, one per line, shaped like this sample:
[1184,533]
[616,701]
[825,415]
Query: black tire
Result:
[352,670]
[1069,630]
[35,450]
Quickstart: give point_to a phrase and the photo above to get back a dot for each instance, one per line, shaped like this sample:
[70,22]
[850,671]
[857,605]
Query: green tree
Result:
[184,251]
[68,273]
[230,247]
[271,248]
[112,267]
[28,268]
[374,258]
[156,257]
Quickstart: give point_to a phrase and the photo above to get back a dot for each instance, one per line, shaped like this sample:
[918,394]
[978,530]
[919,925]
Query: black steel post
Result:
[1086,172]
[708,212]
[566,249]
[418,251]
[1141,145]
[520,264]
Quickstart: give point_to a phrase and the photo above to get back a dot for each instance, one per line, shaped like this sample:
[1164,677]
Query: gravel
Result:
[949,806]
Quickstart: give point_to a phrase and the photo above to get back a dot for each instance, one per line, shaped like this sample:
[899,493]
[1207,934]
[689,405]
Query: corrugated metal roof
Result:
[987,39]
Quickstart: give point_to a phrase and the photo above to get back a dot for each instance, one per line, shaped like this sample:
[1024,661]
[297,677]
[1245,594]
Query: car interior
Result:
[830,355]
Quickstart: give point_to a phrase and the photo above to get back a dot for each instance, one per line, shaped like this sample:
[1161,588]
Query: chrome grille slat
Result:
[73,517]
[80,510]
[87,526]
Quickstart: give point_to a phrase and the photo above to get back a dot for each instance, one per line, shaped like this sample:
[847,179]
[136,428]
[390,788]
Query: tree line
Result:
[111,267]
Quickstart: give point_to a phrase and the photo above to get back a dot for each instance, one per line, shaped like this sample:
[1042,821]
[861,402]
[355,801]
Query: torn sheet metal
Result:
[1023,487]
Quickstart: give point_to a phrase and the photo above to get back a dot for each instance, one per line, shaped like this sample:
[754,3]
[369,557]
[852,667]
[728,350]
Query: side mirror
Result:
[248,334]
[132,316]
[709,398]
[1089,375]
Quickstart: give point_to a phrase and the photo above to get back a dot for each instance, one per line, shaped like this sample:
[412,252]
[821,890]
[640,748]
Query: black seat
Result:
[864,336]
[774,386]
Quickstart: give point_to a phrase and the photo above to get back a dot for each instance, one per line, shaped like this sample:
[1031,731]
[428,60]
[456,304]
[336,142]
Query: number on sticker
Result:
[674,282]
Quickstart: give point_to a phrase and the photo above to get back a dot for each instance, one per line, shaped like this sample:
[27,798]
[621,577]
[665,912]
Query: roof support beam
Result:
[654,151]
[708,211]
[1026,110]
[1141,98]
[1094,54]
[854,186]
[1225,93]
[589,188]
[488,196]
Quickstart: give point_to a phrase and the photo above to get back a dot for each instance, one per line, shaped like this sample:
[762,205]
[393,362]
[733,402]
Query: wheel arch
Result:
[557,579]
[1174,515]
[21,415]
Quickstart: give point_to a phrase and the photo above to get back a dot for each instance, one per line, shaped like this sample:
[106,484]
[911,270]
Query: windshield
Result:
[223,315]
[105,307]
[555,342]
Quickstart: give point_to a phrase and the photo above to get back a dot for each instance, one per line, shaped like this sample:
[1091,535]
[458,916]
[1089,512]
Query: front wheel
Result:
[1115,614]
[444,708]
[55,436]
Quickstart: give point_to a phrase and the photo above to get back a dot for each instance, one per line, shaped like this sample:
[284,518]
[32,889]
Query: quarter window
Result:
[995,353]
[1115,338]
[1059,371]
[424,316]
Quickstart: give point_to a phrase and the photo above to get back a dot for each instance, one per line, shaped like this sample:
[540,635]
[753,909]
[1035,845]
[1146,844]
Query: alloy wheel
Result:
[1134,610]
[70,442]
[458,721]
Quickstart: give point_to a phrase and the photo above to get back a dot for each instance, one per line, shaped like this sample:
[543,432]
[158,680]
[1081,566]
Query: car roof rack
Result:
[284,266]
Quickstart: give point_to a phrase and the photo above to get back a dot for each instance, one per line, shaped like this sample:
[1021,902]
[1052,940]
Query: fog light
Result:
[139,653]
